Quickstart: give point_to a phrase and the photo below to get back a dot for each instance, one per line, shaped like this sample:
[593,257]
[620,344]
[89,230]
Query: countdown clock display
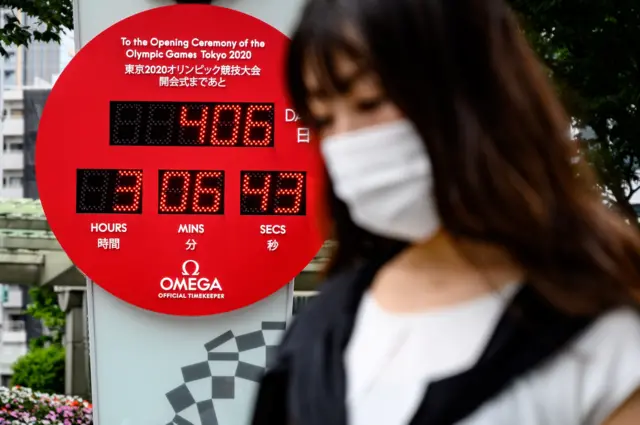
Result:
[169,167]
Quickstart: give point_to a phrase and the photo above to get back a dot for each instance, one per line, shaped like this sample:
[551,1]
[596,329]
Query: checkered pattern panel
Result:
[221,387]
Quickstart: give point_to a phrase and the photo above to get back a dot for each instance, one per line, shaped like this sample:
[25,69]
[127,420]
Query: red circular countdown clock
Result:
[171,167]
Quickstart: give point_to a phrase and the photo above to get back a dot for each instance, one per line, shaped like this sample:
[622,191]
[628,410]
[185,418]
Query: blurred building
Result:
[26,76]
[22,110]
[13,334]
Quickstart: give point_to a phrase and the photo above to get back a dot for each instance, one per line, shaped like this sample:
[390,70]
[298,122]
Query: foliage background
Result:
[592,51]
[52,18]
[43,367]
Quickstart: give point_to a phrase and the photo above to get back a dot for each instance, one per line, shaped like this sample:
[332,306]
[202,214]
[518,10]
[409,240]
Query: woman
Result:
[477,280]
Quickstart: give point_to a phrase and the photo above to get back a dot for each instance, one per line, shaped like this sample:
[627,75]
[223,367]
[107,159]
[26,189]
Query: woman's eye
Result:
[370,104]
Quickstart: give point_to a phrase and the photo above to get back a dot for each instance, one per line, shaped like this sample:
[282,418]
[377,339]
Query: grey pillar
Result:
[77,380]
[87,354]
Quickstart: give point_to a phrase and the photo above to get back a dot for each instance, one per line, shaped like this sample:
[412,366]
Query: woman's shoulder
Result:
[609,350]
[619,326]
[611,365]
[598,371]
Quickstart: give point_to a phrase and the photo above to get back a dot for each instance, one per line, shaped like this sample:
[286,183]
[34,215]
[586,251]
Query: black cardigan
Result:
[306,383]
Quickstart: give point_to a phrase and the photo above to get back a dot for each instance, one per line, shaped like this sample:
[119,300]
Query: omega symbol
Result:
[196,268]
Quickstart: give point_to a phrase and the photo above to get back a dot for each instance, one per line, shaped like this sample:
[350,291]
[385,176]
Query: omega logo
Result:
[191,280]
[196,268]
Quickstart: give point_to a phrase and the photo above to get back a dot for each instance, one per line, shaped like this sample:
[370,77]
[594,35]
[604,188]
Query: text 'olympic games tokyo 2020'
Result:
[198,62]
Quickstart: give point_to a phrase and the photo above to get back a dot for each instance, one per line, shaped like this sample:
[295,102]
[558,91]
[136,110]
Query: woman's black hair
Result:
[497,136]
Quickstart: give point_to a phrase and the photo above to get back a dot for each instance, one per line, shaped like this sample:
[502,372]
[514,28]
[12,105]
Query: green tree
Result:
[592,50]
[52,17]
[44,306]
[41,369]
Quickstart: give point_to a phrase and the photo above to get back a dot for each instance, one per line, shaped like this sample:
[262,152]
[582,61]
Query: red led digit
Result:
[182,192]
[201,123]
[261,191]
[295,192]
[253,127]
[127,193]
[199,191]
[225,132]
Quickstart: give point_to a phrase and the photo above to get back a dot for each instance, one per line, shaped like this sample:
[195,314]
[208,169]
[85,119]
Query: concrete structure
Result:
[26,245]
[12,138]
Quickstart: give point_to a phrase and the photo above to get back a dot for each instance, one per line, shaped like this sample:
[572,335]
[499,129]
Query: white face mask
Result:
[383,174]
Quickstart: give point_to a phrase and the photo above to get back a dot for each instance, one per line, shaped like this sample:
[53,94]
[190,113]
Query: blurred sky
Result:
[67,49]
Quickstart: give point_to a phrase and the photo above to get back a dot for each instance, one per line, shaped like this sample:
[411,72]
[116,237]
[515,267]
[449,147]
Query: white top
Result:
[391,358]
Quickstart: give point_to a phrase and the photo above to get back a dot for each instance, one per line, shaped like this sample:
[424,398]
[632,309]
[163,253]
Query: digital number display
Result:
[192,124]
[191,192]
[273,193]
[109,191]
